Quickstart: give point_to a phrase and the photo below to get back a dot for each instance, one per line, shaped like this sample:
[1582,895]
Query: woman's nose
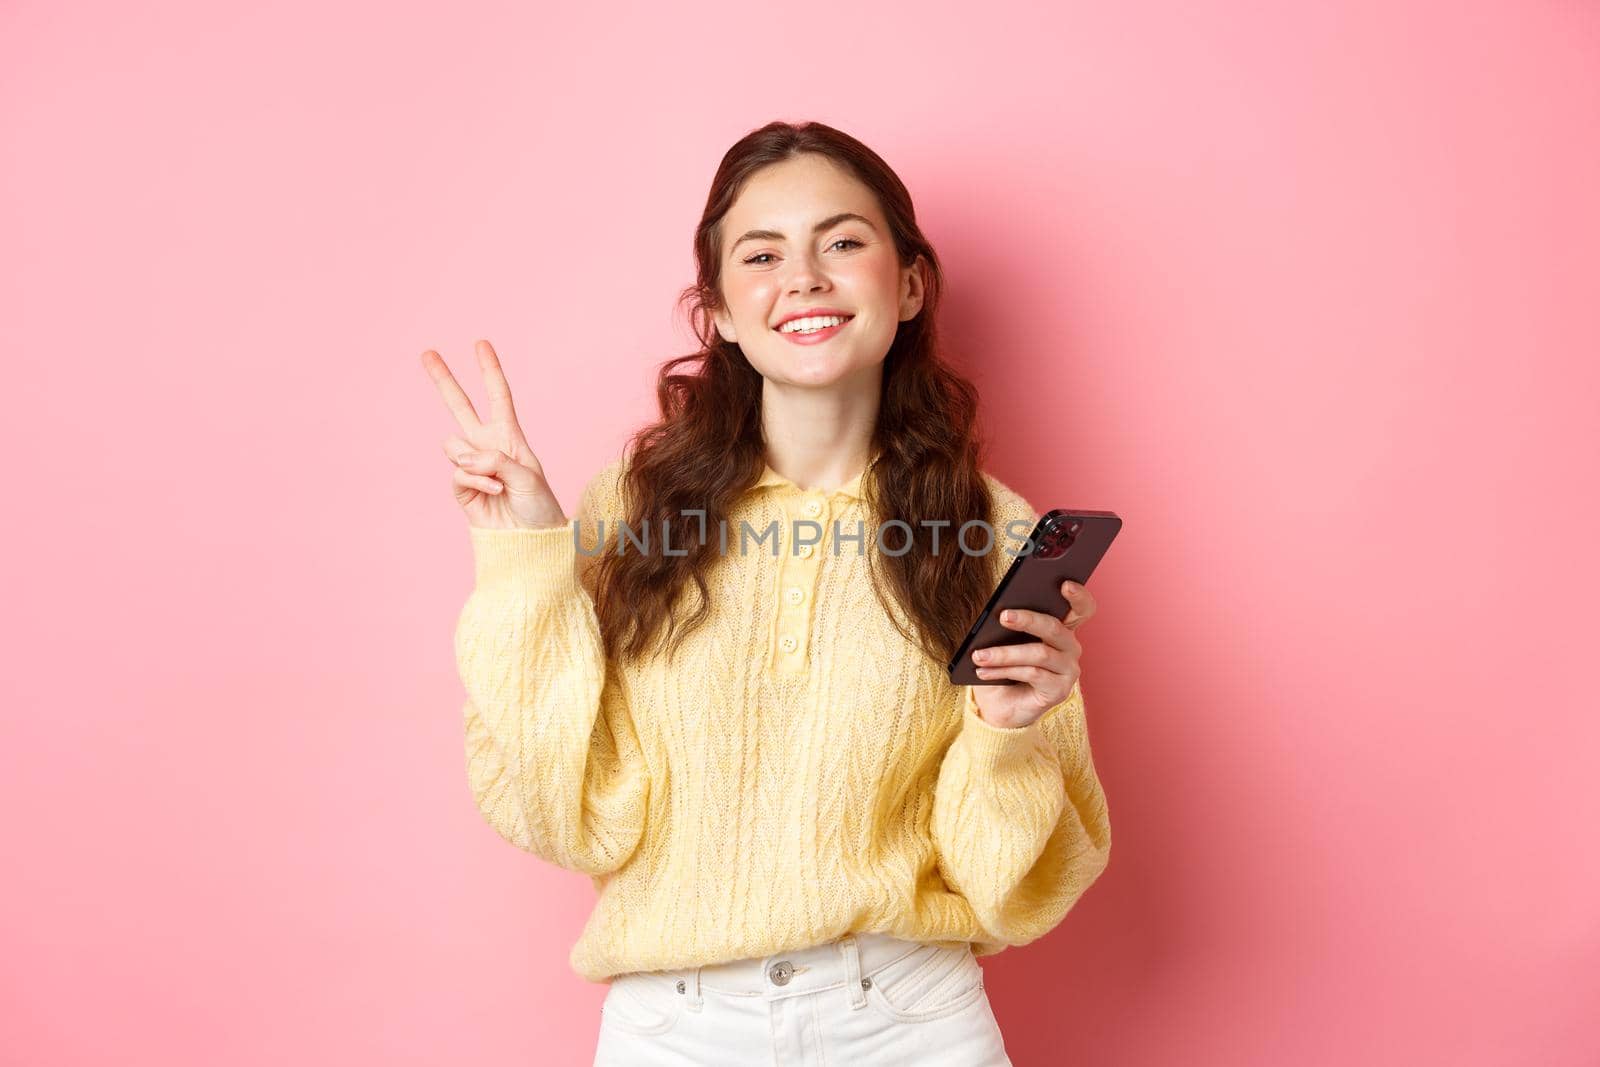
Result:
[805,275]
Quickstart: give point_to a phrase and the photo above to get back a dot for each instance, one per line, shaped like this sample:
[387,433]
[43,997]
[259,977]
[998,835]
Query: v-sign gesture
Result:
[498,480]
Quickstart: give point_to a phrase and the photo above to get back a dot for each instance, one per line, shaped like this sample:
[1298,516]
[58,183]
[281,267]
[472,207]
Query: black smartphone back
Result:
[1065,546]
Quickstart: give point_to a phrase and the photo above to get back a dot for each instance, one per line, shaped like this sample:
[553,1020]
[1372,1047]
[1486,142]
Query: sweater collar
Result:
[851,489]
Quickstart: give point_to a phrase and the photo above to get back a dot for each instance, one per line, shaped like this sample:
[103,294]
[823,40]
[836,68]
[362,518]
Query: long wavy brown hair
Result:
[706,449]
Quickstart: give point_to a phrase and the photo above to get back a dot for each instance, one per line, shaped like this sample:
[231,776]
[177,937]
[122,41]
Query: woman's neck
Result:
[820,438]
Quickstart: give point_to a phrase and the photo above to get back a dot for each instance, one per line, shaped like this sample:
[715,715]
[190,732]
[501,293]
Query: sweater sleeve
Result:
[553,760]
[1020,822]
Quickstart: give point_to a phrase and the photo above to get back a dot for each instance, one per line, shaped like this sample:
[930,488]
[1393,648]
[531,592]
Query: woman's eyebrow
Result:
[831,220]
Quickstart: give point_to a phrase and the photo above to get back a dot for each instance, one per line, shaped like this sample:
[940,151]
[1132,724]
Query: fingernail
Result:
[1073,587]
[1008,616]
[465,457]
[981,656]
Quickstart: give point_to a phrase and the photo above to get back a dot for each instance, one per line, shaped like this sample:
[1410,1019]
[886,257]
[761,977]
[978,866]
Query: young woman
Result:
[732,712]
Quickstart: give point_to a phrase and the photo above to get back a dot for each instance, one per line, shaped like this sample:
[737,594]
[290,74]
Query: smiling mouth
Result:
[842,319]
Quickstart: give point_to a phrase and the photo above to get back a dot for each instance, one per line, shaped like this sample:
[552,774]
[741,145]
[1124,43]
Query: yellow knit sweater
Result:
[799,772]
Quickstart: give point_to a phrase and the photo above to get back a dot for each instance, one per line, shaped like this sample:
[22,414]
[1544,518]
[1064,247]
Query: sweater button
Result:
[813,507]
[805,551]
[794,594]
[788,643]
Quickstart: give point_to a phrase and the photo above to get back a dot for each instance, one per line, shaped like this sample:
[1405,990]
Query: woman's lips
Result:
[815,338]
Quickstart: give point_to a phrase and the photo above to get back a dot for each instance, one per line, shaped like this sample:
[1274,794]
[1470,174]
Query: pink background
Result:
[1306,292]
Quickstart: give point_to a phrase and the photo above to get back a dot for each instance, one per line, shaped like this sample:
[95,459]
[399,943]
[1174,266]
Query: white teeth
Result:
[811,325]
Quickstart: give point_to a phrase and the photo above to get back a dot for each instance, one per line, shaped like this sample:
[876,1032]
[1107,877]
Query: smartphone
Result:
[1065,546]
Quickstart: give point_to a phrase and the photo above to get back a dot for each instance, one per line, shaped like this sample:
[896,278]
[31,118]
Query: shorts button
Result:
[781,972]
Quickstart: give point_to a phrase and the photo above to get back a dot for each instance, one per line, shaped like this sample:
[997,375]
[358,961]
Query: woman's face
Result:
[776,261]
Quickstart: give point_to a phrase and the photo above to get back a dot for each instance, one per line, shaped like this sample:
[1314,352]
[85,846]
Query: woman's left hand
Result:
[1048,667]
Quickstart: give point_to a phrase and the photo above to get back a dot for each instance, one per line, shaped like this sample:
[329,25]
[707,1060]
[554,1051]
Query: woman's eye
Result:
[755,260]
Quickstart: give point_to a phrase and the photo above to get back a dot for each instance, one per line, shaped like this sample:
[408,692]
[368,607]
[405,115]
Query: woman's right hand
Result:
[498,480]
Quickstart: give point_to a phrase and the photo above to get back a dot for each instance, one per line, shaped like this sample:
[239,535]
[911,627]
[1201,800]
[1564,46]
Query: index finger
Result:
[455,398]
[495,384]
[1045,627]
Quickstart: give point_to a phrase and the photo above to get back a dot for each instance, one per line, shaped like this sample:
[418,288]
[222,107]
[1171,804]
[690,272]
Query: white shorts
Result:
[863,999]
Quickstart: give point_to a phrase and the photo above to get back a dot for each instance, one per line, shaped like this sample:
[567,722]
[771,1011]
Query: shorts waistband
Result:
[844,961]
